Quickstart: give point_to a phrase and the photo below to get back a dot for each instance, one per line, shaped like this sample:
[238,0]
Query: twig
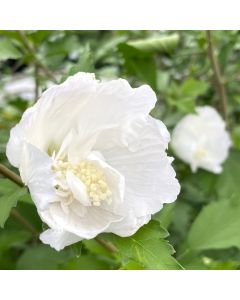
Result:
[16,215]
[31,50]
[108,246]
[11,175]
[220,88]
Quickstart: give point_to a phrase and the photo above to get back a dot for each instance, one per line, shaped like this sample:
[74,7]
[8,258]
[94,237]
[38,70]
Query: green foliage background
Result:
[201,230]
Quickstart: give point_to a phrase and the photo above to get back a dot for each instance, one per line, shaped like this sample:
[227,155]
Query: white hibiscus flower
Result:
[93,159]
[201,140]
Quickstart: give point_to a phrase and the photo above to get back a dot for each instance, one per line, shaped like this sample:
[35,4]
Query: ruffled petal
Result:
[36,172]
[93,222]
[129,225]
[89,106]
[58,239]
[149,177]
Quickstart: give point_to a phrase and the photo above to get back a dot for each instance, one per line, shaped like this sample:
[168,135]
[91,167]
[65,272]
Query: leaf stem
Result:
[108,246]
[16,215]
[11,175]
[219,82]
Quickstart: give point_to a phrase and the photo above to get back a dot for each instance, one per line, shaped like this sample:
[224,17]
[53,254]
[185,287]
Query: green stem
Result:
[220,88]
[17,216]
[11,175]
[108,246]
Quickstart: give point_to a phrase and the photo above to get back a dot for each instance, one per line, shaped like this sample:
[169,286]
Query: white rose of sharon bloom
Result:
[201,140]
[93,159]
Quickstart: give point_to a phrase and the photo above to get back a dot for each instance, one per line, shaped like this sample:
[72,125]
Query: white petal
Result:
[17,138]
[129,225]
[149,177]
[94,221]
[114,179]
[58,239]
[78,189]
[88,106]
[36,172]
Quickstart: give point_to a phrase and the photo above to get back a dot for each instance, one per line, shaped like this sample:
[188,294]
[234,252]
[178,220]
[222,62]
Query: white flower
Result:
[93,159]
[202,140]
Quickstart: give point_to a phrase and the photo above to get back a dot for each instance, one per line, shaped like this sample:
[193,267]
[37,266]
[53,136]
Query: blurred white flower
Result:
[201,140]
[23,87]
[93,159]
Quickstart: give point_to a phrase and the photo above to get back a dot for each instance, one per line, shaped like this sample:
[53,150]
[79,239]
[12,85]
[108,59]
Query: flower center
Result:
[93,179]
[200,153]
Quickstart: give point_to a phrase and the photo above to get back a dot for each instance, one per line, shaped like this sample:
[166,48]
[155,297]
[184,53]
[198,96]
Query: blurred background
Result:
[204,223]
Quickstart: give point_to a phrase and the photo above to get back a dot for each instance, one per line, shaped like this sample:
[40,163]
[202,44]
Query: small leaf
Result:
[9,196]
[140,64]
[164,44]
[148,248]
[8,50]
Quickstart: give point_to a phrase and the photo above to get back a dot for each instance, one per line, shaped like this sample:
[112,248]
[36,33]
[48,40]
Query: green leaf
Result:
[8,50]
[85,63]
[227,186]
[184,96]
[218,224]
[164,216]
[87,262]
[216,227]
[236,137]
[13,238]
[148,248]
[193,88]
[41,257]
[140,64]
[9,196]
[164,44]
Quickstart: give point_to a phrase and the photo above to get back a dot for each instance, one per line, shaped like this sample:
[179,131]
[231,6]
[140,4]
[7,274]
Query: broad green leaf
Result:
[156,44]
[164,216]
[94,247]
[148,248]
[9,196]
[42,257]
[218,224]
[8,50]
[216,227]
[140,64]
[228,186]
[199,187]
[87,262]
[13,238]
